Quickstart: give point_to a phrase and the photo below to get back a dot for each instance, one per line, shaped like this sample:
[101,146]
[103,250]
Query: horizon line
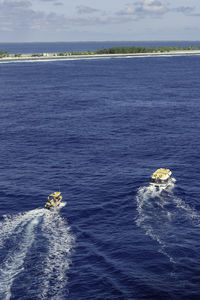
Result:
[100,41]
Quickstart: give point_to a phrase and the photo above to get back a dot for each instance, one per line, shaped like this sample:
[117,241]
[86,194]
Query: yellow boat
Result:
[161,178]
[54,200]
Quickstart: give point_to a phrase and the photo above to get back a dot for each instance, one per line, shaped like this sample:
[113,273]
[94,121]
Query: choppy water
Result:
[96,130]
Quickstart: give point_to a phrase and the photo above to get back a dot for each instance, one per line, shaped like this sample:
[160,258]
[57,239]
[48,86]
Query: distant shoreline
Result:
[52,56]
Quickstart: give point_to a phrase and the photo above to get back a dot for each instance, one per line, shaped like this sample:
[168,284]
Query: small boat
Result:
[161,178]
[54,200]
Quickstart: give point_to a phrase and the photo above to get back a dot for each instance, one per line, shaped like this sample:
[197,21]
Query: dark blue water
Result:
[22,48]
[96,130]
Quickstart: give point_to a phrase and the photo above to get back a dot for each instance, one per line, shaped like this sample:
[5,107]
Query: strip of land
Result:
[105,53]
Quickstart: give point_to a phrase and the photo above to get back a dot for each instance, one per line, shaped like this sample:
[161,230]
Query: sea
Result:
[96,130]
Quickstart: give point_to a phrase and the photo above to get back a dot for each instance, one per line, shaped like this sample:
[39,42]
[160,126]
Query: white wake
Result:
[153,216]
[20,234]
[162,216]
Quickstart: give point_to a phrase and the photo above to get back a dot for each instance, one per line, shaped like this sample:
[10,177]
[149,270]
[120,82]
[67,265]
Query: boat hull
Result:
[49,206]
[162,185]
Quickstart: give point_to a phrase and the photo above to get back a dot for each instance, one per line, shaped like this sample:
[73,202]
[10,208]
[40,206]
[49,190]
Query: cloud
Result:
[18,15]
[154,8]
[187,11]
[16,4]
[83,9]
[58,4]
[100,20]
[145,8]
[54,2]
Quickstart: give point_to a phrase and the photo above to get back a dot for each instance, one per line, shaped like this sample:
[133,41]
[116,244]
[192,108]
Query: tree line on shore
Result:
[112,50]
[134,49]
[129,50]
[4,53]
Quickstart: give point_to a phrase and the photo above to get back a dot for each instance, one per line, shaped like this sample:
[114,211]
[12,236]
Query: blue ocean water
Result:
[96,130]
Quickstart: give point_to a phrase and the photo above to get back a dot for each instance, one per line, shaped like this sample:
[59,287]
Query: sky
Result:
[102,20]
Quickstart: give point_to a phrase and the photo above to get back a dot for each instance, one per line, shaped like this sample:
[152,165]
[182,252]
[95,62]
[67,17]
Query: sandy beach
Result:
[53,56]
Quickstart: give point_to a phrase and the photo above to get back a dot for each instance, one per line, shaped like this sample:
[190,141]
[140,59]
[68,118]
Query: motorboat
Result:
[161,178]
[54,200]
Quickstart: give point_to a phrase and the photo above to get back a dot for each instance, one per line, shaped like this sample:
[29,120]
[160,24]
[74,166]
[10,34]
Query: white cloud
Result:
[186,10]
[19,15]
[16,15]
[16,4]
[154,8]
[36,18]
[145,8]
[83,9]
[54,2]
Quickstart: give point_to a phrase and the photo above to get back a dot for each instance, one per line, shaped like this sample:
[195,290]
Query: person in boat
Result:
[54,199]
[57,198]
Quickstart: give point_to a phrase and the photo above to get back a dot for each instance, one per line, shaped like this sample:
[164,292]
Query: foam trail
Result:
[56,262]
[153,217]
[13,264]
[190,213]
[162,216]
[23,235]
[14,223]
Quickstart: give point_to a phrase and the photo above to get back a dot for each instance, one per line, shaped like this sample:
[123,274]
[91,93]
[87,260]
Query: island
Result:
[106,52]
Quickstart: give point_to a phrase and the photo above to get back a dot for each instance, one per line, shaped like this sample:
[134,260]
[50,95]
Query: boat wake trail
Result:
[154,216]
[35,248]
[164,217]
[189,212]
